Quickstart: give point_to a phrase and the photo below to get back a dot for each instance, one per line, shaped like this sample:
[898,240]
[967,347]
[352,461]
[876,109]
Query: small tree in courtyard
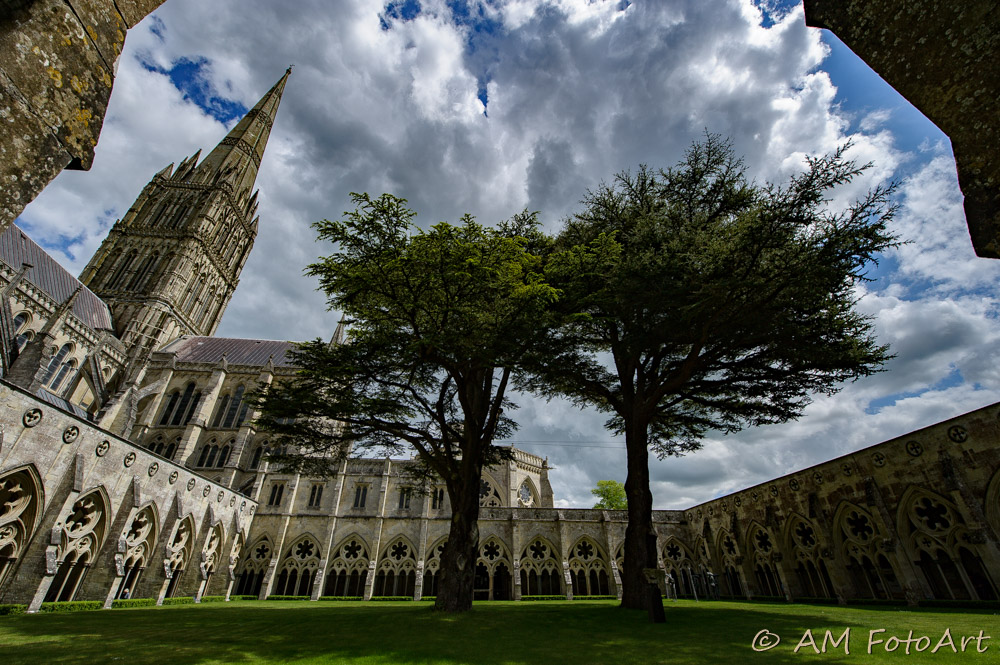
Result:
[440,321]
[611,495]
[696,300]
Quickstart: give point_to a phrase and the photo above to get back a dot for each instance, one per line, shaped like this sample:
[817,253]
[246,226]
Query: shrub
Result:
[962,604]
[243,597]
[213,599]
[133,602]
[543,597]
[8,610]
[276,597]
[341,598]
[391,598]
[180,600]
[72,606]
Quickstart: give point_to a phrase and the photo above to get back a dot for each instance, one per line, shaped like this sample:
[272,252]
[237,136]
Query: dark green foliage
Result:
[217,599]
[123,603]
[11,609]
[71,606]
[179,600]
[440,323]
[339,598]
[390,598]
[276,597]
[696,300]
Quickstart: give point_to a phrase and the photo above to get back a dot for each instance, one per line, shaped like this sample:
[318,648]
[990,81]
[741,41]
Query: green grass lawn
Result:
[578,632]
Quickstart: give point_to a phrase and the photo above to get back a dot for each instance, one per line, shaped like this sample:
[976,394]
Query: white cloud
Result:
[576,91]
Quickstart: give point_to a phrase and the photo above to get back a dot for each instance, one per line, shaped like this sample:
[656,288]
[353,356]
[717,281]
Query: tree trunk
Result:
[458,560]
[640,538]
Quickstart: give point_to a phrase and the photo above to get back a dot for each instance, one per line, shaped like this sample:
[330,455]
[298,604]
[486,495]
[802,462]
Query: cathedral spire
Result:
[237,157]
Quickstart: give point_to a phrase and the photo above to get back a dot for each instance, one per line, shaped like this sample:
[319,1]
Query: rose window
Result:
[933,514]
[805,534]
[585,550]
[491,551]
[352,550]
[304,549]
[538,550]
[673,552]
[399,551]
[859,526]
[763,541]
[261,552]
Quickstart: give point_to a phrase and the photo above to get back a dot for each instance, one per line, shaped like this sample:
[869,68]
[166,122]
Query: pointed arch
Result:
[527,494]
[588,568]
[860,543]
[21,507]
[493,569]
[728,551]
[396,574]
[253,564]
[81,537]
[137,544]
[539,568]
[489,494]
[802,541]
[178,552]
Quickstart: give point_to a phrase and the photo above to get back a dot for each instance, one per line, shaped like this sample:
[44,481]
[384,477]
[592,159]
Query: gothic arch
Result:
[527,494]
[588,568]
[728,551]
[540,569]
[298,568]
[81,534]
[21,503]
[867,555]
[489,493]
[348,571]
[763,557]
[432,564]
[678,562]
[135,548]
[802,544]
[992,502]
[252,567]
[397,569]
[493,570]
[178,552]
[945,550]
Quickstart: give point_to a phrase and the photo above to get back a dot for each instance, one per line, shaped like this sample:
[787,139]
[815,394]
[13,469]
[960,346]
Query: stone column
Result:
[149,417]
[317,583]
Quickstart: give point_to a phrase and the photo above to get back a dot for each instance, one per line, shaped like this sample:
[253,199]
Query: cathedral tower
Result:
[170,265]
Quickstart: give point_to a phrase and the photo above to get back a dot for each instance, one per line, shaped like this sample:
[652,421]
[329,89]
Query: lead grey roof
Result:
[16,248]
[194,349]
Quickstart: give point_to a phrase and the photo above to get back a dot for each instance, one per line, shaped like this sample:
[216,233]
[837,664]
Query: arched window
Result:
[56,361]
[221,412]
[171,449]
[182,407]
[66,369]
[223,456]
[119,276]
[212,452]
[204,453]
[22,339]
[144,269]
[20,322]
[255,461]
[192,409]
[234,407]
[171,403]
[194,293]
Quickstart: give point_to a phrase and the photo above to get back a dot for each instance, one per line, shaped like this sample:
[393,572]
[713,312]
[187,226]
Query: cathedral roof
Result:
[17,248]
[193,349]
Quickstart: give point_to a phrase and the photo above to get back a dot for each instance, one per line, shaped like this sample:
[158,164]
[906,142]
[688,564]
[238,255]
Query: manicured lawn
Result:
[578,632]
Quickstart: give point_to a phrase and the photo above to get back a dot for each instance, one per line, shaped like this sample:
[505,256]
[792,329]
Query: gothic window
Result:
[179,553]
[493,571]
[81,536]
[55,362]
[224,455]
[254,564]
[20,498]
[397,570]
[171,403]
[539,570]
[192,409]
[172,448]
[349,570]
[67,369]
[810,568]
[20,322]
[298,569]
[360,495]
[194,293]
[234,407]
[143,272]
[139,538]
[488,495]
[182,408]
[860,541]
[277,489]
[211,552]
[223,406]
[437,498]
[315,495]
[525,495]
[119,276]
[23,338]
[404,498]
[255,460]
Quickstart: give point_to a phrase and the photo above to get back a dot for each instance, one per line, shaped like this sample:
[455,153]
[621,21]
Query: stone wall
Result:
[75,493]
[942,56]
[58,60]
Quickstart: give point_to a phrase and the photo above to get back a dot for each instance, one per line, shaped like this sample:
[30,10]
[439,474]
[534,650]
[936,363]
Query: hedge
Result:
[543,597]
[8,610]
[962,604]
[180,600]
[341,598]
[213,599]
[391,598]
[244,597]
[72,606]
[124,603]
[287,597]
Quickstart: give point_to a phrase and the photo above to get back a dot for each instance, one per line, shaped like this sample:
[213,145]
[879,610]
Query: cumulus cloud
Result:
[491,107]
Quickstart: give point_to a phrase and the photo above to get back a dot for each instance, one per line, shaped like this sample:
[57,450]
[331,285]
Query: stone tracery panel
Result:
[81,535]
[348,571]
[20,500]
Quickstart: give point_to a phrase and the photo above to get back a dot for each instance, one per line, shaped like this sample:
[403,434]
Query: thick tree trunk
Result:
[458,560]
[640,538]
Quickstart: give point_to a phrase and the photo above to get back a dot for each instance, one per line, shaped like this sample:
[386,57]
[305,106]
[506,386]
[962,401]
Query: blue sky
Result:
[491,106]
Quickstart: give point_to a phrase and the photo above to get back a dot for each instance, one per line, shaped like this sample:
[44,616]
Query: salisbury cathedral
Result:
[130,465]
